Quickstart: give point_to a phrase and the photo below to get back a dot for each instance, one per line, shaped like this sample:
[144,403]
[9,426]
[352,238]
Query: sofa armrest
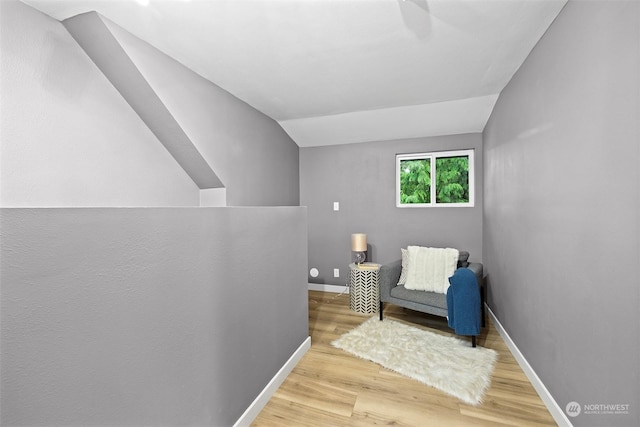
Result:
[389,276]
[476,267]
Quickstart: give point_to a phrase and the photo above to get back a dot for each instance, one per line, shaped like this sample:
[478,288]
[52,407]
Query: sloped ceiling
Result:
[343,71]
[96,38]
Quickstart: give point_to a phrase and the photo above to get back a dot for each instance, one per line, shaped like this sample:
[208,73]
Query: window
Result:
[434,179]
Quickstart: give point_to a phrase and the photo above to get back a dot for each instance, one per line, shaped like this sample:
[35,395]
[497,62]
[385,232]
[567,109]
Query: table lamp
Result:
[359,247]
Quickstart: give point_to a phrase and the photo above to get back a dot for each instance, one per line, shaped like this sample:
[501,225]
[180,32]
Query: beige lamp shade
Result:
[359,242]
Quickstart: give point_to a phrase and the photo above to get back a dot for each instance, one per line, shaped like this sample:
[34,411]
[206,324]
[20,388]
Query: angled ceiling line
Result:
[95,38]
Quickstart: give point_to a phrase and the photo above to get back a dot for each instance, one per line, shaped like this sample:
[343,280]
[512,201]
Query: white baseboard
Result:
[259,403]
[338,289]
[556,411]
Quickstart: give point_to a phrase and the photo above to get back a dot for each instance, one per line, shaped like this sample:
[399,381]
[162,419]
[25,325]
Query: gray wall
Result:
[96,39]
[562,208]
[136,316]
[67,137]
[362,178]
[156,316]
[253,156]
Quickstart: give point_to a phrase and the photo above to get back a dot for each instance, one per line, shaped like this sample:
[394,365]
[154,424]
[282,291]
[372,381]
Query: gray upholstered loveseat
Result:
[425,302]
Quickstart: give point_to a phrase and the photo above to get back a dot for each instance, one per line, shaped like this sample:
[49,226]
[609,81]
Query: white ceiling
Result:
[343,71]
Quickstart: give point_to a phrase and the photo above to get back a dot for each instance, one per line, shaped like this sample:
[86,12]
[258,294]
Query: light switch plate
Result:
[336,206]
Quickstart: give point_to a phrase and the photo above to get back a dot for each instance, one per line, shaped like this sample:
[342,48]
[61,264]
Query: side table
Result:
[364,288]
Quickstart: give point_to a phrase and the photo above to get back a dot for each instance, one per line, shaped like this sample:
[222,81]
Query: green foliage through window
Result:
[415,181]
[452,179]
[430,179]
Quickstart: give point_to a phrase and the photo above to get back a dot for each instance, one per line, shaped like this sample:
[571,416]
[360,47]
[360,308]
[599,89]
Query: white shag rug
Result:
[448,364]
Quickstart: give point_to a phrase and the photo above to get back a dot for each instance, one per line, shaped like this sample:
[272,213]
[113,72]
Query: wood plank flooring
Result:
[330,387]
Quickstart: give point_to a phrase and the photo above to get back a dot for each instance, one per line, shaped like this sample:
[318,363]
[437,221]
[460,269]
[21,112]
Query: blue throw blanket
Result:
[463,302]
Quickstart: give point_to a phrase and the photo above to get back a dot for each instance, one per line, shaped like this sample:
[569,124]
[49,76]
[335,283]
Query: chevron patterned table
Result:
[364,288]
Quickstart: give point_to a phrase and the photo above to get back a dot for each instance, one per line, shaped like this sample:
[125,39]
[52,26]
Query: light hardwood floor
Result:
[329,387]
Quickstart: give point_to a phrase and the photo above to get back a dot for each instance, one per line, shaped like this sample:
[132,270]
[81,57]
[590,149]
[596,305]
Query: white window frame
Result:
[433,156]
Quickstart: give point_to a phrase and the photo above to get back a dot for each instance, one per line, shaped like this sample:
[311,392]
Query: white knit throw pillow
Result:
[405,262]
[429,269]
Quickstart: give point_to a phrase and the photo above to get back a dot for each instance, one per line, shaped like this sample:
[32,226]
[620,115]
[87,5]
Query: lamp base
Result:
[360,257]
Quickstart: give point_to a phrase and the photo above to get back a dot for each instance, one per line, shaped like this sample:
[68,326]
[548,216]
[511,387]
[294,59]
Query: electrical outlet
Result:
[336,207]
[336,272]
